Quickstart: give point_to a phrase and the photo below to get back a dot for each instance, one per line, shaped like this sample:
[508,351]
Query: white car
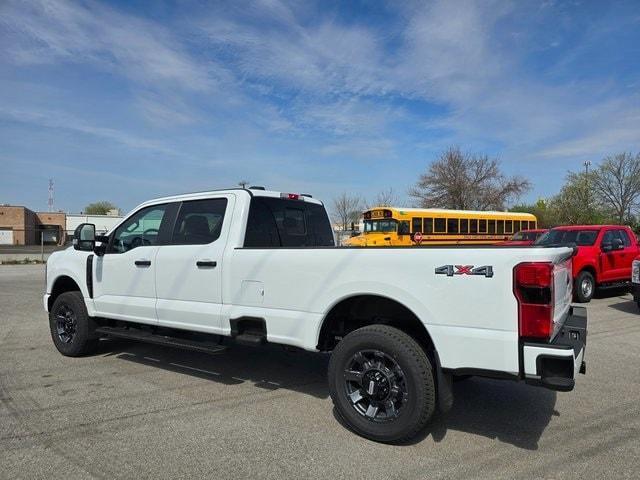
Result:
[261,266]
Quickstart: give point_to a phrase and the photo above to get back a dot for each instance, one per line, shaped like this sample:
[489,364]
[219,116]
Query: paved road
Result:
[29,249]
[139,411]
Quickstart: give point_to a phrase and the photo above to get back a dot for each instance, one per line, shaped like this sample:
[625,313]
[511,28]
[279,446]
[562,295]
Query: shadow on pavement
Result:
[626,305]
[270,367]
[611,292]
[511,412]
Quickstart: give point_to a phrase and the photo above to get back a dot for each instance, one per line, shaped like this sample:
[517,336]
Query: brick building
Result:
[21,226]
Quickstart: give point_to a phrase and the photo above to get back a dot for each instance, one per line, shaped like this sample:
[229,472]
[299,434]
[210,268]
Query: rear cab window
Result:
[276,222]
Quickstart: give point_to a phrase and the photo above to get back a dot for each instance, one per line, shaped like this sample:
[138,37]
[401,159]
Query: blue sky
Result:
[132,100]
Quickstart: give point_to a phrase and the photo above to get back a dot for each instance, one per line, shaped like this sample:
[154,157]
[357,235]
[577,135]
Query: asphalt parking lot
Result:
[141,411]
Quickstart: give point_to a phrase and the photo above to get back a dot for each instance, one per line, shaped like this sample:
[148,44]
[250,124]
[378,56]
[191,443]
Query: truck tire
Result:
[584,287]
[70,325]
[381,383]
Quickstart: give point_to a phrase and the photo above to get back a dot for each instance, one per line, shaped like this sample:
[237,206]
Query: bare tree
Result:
[616,183]
[385,198]
[467,182]
[346,209]
[243,183]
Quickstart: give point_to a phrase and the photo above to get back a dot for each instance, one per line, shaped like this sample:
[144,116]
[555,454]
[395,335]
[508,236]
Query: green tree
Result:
[541,209]
[576,203]
[99,208]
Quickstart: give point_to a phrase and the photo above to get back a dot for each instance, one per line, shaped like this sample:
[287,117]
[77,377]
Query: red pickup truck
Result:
[604,257]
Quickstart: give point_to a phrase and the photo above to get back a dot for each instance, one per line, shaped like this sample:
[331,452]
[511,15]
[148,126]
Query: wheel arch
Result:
[62,284]
[588,268]
[361,309]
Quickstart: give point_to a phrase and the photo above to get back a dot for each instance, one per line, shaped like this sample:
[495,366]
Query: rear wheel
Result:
[381,383]
[584,287]
[71,326]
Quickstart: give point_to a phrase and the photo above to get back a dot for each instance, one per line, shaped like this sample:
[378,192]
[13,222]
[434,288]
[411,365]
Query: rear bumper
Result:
[556,364]
[635,288]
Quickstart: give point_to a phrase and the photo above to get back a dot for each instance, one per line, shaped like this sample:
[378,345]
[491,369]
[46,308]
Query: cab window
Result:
[275,222]
[141,229]
[199,221]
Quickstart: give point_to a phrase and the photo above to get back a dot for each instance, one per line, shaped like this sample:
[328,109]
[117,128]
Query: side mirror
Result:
[84,237]
[618,244]
[607,247]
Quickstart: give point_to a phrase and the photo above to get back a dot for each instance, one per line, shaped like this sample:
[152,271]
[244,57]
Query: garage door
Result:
[6,237]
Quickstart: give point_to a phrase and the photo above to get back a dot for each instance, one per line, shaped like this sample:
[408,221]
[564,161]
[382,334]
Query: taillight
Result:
[533,287]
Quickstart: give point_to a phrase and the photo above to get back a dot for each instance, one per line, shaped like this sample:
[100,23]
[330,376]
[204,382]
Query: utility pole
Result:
[50,202]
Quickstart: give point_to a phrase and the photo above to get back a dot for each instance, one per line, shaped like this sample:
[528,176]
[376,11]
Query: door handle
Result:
[143,263]
[206,263]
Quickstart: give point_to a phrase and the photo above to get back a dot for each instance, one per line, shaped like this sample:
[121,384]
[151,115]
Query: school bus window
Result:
[439,225]
[464,225]
[532,225]
[428,225]
[416,225]
[482,226]
[500,229]
[516,226]
[492,227]
[473,225]
[508,226]
[452,225]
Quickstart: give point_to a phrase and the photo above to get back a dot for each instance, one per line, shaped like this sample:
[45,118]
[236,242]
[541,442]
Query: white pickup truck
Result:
[261,266]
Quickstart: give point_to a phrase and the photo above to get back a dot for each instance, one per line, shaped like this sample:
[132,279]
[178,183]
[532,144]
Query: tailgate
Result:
[562,291]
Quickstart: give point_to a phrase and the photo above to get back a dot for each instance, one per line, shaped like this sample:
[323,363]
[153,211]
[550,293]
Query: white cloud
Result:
[52,31]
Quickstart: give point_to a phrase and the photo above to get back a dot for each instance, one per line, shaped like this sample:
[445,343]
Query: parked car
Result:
[190,271]
[635,280]
[524,237]
[604,255]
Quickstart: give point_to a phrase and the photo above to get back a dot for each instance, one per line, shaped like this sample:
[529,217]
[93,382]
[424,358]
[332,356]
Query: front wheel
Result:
[584,287]
[381,383]
[70,325]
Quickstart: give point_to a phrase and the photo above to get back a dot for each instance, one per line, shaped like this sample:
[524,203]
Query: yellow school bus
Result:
[390,226]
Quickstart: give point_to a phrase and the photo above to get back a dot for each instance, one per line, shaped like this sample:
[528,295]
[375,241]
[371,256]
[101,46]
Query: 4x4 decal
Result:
[451,270]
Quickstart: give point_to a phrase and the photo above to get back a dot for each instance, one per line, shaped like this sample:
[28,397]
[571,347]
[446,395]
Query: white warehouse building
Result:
[103,223]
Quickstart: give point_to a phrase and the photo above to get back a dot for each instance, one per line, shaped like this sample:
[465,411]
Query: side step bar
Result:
[157,339]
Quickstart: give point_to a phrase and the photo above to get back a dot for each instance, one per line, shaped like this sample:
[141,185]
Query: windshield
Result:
[380,225]
[566,237]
